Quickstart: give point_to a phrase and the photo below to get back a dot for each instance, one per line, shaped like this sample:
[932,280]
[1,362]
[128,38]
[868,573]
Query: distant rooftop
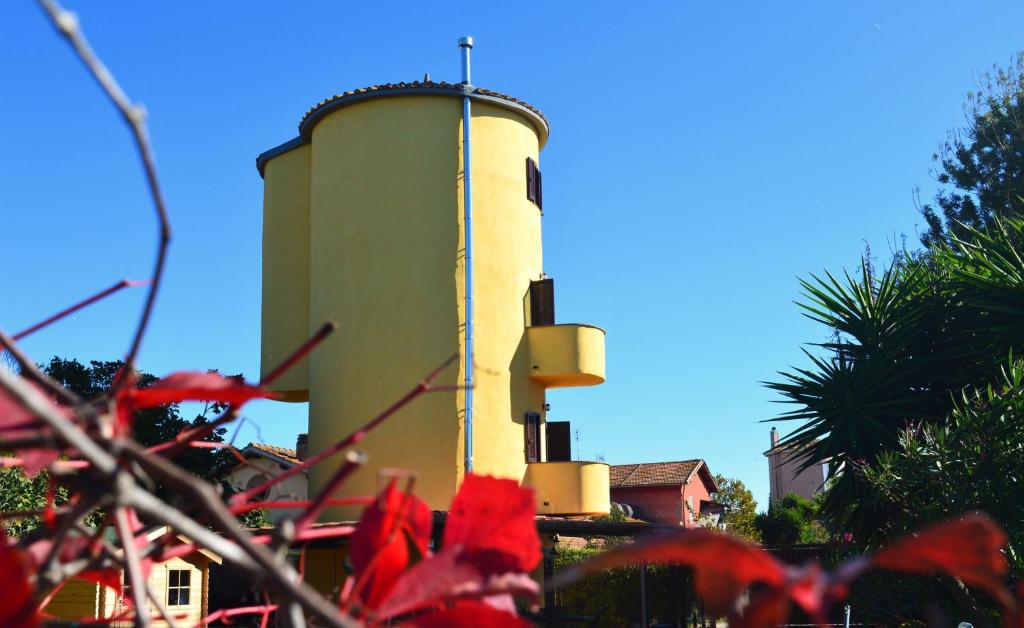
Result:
[653,473]
[285,454]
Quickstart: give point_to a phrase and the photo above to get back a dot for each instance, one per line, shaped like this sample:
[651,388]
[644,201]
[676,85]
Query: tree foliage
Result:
[19,492]
[791,520]
[160,424]
[905,344]
[151,425]
[975,461]
[741,509]
[981,165]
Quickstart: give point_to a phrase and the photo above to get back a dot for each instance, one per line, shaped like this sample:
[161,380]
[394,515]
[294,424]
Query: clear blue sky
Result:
[702,157]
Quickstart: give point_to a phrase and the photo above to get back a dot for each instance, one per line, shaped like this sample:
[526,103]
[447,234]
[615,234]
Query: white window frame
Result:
[179,588]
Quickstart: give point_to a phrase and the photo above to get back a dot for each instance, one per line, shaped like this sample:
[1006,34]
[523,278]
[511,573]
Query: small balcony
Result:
[566,355]
[570,487]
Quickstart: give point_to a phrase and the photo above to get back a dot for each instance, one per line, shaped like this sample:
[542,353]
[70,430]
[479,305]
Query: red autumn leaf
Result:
[767,608]
[17,608]
[723,566]
[195,386]
[37,458]
[447,576]
[469,614]
[392,534]
[492,523]
[14,416]
[969,548]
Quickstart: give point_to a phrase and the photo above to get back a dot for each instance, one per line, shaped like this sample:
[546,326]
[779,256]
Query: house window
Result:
[534,186]
[532,437]
[255,481]
[178,587]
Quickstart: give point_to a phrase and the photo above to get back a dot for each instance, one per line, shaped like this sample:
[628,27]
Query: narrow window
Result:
[178,587]
[534,186]
[542,302]
[559,441]
[532,437]
[540,191]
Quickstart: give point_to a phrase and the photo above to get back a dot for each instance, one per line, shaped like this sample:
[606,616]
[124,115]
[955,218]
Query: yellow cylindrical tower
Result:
[375,241]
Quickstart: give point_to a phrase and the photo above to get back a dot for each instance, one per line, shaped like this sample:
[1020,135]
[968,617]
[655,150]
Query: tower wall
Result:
[384,245]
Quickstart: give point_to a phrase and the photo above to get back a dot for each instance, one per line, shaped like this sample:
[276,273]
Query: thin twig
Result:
[353,461]
[132,566]
[124,283]
[321,334]
[28,369]
[134,116]
[277,572]
[423,386]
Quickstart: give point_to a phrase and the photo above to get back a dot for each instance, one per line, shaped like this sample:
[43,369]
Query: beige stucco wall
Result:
[786,479]
[295,487]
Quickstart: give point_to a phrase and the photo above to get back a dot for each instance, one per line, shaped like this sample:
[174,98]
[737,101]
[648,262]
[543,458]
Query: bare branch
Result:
[124,283]
[134,116]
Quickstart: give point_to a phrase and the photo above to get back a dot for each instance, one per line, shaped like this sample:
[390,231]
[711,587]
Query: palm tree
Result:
[903,345]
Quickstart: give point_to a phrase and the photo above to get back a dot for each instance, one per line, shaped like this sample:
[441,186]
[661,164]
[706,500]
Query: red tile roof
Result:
[653,473]
[288,455]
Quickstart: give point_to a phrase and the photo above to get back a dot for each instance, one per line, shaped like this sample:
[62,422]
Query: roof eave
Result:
[328,106]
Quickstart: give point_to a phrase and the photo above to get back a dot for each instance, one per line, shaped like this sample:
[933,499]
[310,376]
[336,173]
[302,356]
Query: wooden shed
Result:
[183,585]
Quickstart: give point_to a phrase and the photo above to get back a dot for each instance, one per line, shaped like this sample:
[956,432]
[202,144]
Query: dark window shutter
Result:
[540,190]
[532,437]
[559,441]
[542,302]
[531,180]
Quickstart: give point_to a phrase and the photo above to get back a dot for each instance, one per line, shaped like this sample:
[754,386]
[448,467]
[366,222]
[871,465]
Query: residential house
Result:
[262,462]
[672,493]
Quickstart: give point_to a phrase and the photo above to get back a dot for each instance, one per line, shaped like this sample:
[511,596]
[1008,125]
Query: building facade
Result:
[262,462]
[785,476]
[363,225]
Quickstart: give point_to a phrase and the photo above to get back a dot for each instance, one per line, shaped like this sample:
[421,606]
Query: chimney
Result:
[302,446]
[775,437]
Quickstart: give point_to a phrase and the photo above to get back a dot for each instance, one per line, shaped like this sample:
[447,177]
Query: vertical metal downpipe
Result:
[465,44]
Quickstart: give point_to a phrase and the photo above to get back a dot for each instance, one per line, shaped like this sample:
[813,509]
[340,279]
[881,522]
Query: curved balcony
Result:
[566,355]
[569,488]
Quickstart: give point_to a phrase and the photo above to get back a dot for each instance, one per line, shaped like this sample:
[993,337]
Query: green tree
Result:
[791,520]
[973,461]
[981,165]
[151,426]
[740,507]
[21,493]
